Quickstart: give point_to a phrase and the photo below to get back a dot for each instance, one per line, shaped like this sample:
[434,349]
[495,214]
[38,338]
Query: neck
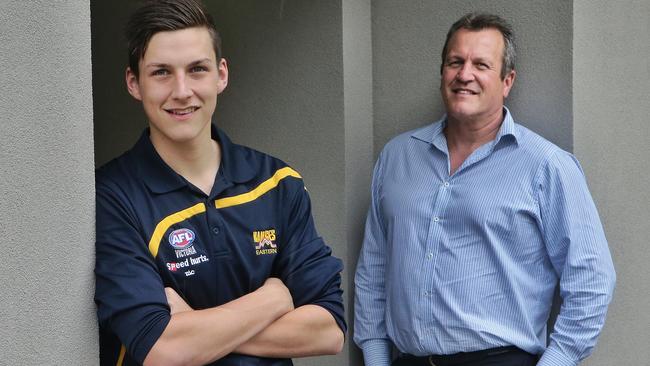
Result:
[197,160]
[465,136]
[473,133]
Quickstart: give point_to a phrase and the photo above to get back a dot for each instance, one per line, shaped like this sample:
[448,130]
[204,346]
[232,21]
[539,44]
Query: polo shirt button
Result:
[215,230]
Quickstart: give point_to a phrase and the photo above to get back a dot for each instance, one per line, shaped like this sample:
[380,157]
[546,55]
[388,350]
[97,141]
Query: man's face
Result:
[471,84]
[178,84]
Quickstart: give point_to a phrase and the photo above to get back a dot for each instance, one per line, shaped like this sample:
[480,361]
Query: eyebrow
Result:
[483,60]
[164,65]
[454,56]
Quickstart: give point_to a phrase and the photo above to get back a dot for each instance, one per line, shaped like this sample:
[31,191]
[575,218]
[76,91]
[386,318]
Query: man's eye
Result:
[455,63]
[160,72]
[482,66]
[198,69]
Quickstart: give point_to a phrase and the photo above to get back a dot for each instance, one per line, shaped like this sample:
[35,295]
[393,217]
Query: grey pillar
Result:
[47,184]
[359,157]
[612,140]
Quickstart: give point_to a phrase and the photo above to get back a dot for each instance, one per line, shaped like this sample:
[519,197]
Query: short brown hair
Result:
[165,15]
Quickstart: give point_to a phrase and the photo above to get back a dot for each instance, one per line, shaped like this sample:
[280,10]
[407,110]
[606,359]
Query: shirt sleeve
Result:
[305,263]
[578,250]
[129,293]
[370,280]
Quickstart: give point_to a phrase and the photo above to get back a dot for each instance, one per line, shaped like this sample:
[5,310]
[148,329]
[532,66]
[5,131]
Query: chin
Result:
[184,136]
[177,135]
[460,113]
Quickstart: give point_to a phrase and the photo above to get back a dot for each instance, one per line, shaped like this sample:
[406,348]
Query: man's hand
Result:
[309,330]
[176,302]
[275,287]
[207,335]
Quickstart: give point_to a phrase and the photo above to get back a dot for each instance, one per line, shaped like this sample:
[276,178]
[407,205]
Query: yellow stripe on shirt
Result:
[263,188]
[239,199]
[120,358]
[170,220]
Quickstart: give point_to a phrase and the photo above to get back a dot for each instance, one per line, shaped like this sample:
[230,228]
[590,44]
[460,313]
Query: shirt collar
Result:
[508,127]
[237,161]
[434,133]
[235,166]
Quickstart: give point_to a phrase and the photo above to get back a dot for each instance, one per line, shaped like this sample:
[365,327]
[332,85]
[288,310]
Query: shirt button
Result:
[429,255]
[436,219]
[425,293]
[446,184]
[215,230]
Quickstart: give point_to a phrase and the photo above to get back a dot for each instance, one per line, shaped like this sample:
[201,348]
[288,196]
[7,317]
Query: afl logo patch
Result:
[181,238]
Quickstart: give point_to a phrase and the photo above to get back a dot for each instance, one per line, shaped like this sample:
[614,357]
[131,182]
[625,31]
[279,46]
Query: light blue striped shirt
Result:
[470,261]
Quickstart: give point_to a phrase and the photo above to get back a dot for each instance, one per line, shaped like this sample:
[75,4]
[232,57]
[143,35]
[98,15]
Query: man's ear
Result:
[222,69]
[132,84]
[508,82]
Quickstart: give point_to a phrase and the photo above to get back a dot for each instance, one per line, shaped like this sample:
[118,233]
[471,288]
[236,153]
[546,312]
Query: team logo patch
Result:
[265,242]
[181,238]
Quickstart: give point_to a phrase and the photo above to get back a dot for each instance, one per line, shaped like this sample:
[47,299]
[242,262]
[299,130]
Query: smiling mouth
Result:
[464,91]
[182,112]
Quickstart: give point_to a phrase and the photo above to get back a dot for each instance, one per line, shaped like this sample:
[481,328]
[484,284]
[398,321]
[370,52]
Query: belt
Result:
[463,357]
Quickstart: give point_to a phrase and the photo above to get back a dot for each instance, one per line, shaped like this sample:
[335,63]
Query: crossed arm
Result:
[263,323]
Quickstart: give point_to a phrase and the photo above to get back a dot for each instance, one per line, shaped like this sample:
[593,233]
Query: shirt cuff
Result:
[553,357]
[376,352]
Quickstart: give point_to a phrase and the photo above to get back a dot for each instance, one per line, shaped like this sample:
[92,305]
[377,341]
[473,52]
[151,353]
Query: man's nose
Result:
[465,73]
[181,88]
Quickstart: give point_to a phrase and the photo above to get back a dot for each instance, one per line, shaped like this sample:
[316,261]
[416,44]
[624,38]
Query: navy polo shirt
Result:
[155,230]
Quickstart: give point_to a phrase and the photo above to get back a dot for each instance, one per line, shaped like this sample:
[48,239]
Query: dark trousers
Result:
[502,356]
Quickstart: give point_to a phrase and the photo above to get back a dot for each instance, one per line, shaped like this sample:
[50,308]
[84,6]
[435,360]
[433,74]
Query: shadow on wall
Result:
[118,118]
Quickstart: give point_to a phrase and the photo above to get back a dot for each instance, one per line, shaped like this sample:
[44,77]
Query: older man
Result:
[474,219]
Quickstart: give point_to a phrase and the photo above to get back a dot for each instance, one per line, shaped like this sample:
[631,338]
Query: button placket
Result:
[218,243]
[434,237]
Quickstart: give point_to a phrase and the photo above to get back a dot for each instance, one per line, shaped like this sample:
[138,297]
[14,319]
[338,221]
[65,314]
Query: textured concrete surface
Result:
[612,141]
[359,160]
[119,119]
[47,184]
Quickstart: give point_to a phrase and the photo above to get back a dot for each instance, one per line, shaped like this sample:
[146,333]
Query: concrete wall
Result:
[47,184]
[119,119]
[611,75]
[359,160]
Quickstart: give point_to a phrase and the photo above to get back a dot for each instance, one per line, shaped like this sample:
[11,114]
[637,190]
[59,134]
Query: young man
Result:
[206,250]
[473,221]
